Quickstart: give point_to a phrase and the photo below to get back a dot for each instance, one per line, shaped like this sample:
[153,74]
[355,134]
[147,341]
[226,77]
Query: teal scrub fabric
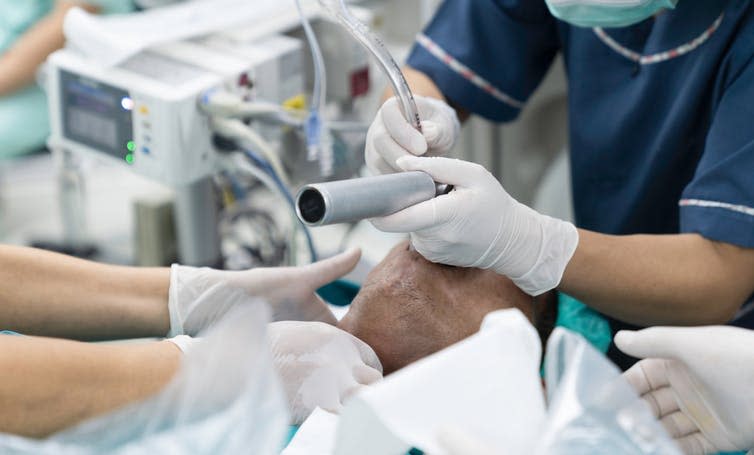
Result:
[579,318]
[339,293]
[24,124]
[17,16]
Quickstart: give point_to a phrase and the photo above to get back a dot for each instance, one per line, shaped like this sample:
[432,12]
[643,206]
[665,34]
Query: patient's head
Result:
[410,308]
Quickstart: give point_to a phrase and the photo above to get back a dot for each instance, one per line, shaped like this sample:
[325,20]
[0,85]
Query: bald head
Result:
[410,308]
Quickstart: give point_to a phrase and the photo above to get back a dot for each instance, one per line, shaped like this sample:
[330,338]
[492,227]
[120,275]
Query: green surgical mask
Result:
[606,13]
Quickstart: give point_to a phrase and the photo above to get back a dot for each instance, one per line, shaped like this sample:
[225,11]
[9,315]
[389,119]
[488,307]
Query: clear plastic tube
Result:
[319,145]
[377,48]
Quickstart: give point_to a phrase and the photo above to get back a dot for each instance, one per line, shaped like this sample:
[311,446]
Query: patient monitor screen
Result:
[97,115]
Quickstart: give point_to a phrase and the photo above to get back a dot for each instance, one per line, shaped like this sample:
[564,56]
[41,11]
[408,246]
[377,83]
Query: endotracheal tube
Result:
[377,48]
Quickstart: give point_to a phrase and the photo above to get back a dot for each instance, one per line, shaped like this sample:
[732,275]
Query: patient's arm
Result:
[50,384]
[410,308]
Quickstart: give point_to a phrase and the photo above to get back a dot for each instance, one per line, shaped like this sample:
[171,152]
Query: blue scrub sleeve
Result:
[488,56]
[719,202]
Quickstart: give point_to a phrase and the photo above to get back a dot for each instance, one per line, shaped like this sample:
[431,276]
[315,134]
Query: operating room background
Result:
[528,156]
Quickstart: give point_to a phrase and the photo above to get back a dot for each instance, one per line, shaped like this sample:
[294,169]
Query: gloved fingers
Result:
[365,375]
[328,270]
[377,164]
[425,215]
[695,444]
[647,375]
[662,401]
[661,342]
[446,170]
[415,218]
[439,139]
[432,133]
[348,392]
[401,130]
[320,312]
[389,149]
[334,408]
[367,354]
[678,425]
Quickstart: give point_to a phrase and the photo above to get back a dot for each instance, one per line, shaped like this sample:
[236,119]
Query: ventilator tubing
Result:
[353,200]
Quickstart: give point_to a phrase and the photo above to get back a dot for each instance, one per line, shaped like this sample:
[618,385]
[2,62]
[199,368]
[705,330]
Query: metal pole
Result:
[196,220]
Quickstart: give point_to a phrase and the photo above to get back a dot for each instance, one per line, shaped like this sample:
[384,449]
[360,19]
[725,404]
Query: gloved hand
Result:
[290,291]
[391,136]
[320,365]
[479,225]
[699,382]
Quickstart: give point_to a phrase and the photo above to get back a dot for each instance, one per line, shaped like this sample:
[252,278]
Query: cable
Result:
[271,171]
[240,132]
[265,167]
[314,124]
[240,161]
[228,107]
[289,197]
[222,104]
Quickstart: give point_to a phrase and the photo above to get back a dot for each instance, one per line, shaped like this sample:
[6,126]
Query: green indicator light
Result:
[130,158]
[131,146]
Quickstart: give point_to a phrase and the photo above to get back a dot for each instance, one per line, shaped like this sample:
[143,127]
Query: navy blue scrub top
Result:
[661,113]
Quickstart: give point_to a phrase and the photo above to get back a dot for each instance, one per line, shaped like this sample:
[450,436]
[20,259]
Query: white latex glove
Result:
[699,382]
[391,136]
[479,225]
[290,291]
[320,365]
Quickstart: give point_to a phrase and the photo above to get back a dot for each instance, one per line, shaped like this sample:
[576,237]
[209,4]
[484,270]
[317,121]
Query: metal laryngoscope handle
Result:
[357,199]
[353,200]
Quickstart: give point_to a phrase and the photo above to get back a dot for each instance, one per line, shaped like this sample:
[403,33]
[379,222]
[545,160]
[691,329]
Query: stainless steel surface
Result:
[352,200]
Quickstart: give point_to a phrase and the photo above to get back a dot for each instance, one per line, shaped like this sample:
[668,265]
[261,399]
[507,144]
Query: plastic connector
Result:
[313,135]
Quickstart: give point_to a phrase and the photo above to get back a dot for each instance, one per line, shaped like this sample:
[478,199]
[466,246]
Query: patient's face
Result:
[410,308]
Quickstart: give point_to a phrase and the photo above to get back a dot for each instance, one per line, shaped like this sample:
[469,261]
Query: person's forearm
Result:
[648,280]
[422,85]
[19,64]
[49,385]
[49,294]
